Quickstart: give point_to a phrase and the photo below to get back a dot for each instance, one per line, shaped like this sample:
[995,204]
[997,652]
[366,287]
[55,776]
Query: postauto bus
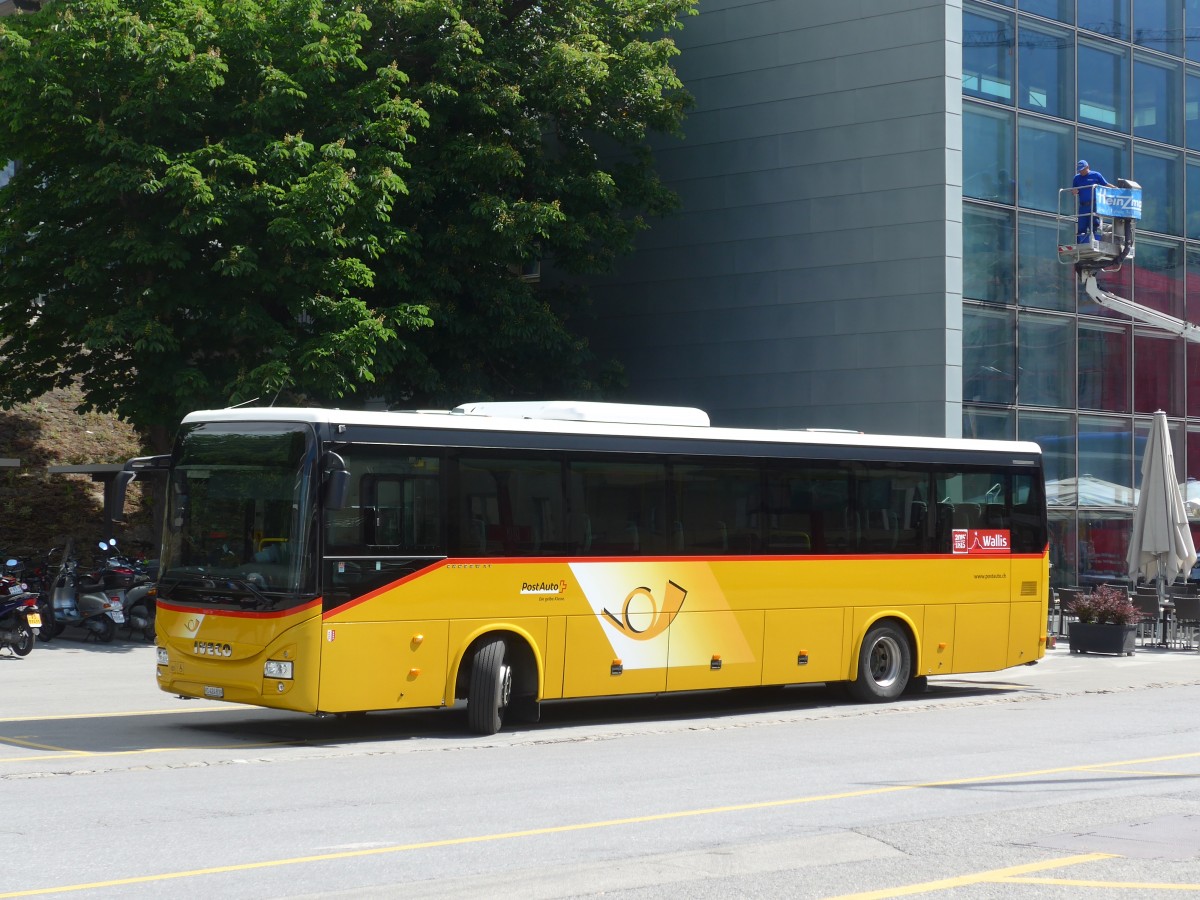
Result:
[331,561]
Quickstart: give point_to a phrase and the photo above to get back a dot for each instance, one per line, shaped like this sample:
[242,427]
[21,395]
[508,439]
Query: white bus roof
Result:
[469,418]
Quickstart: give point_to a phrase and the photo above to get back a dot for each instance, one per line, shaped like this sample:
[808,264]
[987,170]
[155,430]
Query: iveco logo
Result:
[208,648]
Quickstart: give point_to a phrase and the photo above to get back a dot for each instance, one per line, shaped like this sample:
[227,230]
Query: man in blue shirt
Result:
[1084,184]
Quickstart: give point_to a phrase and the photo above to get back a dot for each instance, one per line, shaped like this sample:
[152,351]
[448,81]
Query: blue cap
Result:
[1081,165]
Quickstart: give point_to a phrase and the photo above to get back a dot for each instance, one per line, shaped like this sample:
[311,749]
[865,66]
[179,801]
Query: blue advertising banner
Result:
[1123,203]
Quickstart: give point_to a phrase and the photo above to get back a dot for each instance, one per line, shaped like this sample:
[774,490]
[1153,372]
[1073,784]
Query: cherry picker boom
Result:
[1104,239]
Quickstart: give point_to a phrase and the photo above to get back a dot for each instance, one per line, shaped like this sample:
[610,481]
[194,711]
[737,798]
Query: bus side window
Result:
[713,503]
[619,508]
[891,503]
[511,506]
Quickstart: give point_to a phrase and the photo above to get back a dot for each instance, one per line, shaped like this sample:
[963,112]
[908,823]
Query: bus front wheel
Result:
[491,688]
[884,664]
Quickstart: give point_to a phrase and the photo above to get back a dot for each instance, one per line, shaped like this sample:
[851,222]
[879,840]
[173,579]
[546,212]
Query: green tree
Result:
[227,199]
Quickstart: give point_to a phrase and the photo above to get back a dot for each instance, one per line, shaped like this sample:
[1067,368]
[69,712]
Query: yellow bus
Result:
[334,562]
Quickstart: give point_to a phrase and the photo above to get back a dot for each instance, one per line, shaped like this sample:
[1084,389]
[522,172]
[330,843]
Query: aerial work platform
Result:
[1104,246]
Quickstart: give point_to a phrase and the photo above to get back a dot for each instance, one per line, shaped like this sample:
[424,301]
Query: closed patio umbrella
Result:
[1161,544]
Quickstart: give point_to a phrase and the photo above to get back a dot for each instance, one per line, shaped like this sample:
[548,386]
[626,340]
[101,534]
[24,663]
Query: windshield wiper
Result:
[264,601]
[223,587]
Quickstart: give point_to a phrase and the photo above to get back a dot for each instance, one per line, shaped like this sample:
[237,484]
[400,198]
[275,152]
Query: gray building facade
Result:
[813,276]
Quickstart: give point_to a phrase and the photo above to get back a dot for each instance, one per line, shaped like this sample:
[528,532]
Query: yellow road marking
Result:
[1122,885]
[993,875]
[20,742]
[999,875]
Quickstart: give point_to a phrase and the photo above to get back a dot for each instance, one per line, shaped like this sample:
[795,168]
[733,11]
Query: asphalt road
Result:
[1079,777]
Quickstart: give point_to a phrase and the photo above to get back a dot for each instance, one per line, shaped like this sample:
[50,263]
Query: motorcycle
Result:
[20,620]
[93,601]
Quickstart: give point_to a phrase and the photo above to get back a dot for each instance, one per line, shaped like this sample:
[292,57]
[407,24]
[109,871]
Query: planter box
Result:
[1118,639]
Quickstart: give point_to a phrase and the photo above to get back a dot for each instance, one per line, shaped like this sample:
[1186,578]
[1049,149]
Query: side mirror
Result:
[336,481]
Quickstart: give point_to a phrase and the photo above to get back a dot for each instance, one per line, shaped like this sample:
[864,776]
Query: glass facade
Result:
[1047,82]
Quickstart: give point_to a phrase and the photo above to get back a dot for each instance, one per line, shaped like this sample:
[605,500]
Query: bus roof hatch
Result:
[588,411]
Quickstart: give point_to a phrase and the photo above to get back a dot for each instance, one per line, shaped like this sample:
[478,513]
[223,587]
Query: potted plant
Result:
[1107,622]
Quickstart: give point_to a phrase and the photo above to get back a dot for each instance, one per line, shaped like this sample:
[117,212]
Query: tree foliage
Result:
[227,199]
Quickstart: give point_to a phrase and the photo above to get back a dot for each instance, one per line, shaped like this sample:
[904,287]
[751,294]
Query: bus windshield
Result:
[239,516]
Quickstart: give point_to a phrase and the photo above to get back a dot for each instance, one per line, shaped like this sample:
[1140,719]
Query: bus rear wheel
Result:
[884,664]
[491,688]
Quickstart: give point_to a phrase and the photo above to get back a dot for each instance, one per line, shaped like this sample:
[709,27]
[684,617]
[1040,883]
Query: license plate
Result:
[118,617]
[215,693]
[16,589]
[34,620]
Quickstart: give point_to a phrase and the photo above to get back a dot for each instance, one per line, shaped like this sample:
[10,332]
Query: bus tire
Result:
[491,688]
[884,664]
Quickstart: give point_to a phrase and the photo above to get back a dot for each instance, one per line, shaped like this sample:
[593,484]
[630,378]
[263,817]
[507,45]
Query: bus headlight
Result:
[274,668]
[163,658]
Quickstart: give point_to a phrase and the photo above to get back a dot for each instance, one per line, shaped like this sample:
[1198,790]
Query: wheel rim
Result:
[504,694]
[885,661]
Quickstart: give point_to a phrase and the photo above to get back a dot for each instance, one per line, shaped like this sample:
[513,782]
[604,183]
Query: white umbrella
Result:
[1161,544]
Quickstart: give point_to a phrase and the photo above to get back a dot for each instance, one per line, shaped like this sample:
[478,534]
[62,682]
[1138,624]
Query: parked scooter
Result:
[84,601]
[19,617]
[141,600]
[139,580]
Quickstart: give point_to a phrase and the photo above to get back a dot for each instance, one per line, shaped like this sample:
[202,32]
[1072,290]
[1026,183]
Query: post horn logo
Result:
[642,618]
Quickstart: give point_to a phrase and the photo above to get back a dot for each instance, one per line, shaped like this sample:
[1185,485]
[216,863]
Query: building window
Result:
[1193,463]
[1193,287]
[989,355]
[1156,106]
[987,424]
[987,54]
[1158,24]
[988,154]
[1103,546]
[1108,17]
[1158,275]
[1108,155]
[987,254]
[1042,281]
[1063,10]
[1191,33]
[1055,434]
[1046,69]
[1046,350]
[1044,154]
[1158,366]
[1191,110]
[1192,354]
[1103,85]
[1106,453]
[1103,366]
[1160,173]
